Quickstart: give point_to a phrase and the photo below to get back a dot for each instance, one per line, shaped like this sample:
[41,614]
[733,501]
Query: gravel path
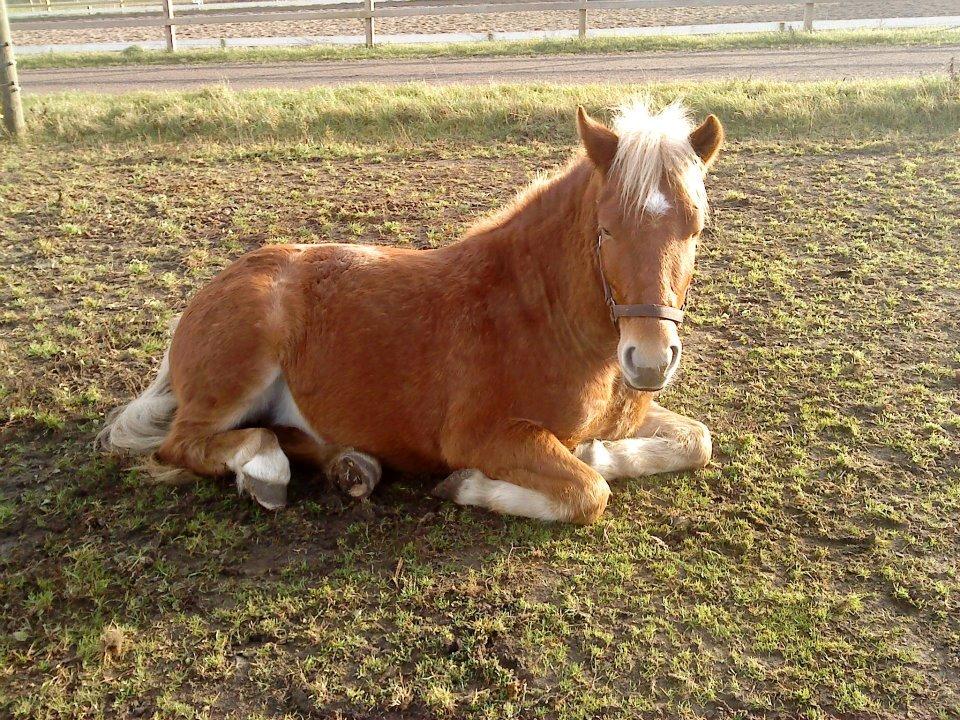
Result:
[505,22]
[803,64]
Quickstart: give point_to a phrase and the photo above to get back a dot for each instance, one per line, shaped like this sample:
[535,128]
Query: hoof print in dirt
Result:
[355,473]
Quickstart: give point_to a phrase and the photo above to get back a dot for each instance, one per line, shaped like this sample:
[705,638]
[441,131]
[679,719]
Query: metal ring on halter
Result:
[617,311]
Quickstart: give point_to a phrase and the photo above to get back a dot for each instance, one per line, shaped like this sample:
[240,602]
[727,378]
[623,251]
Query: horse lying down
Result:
[521,361]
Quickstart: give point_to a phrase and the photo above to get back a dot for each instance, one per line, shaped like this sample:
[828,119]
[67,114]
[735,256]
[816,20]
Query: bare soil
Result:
[807,64]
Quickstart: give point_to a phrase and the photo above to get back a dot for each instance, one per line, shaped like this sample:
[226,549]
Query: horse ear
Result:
[599,140]
[707,139]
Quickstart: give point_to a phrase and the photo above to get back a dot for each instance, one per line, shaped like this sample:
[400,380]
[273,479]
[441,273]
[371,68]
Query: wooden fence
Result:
[366,10]
[11,106]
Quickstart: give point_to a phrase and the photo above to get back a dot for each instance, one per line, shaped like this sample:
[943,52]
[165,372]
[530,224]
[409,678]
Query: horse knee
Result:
[698,444]
[588,506]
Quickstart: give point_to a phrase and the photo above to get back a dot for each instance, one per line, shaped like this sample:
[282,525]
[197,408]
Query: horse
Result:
[521,362]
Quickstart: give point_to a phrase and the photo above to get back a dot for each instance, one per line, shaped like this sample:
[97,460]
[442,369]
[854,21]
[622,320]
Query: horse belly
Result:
[366,369]
[347,409]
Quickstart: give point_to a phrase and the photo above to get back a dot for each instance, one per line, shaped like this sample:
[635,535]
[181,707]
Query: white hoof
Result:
[265,478]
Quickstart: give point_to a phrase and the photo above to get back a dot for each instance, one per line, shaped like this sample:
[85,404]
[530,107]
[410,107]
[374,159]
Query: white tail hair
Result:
[140,426]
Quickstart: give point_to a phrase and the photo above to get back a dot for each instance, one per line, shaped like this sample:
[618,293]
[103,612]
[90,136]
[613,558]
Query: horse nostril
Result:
[629,357]
[674,357]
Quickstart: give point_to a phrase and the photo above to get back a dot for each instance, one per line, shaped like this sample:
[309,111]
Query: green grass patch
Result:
[420,113]
[739,41]
[810,571]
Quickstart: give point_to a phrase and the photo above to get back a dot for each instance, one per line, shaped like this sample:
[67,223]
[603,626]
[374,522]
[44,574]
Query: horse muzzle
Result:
[649,371]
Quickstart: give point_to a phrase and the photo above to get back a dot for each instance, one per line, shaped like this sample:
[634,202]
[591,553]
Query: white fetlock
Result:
[472,487]
[596,454]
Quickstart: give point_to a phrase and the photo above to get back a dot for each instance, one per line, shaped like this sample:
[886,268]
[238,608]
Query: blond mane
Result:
[654,148]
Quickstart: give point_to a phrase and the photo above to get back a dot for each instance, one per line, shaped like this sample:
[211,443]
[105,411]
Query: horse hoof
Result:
[265,478]
[448,488]
[355,473]
[270,495]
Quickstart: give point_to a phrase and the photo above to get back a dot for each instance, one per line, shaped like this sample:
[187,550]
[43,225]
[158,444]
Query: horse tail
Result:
[140,426]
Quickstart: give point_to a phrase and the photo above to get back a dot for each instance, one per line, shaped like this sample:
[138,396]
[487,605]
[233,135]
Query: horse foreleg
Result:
[664,442]
[525,471]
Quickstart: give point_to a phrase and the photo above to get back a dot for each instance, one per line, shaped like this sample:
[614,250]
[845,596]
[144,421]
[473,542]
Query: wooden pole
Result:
[808,17]
[368,24]
[169,30]
[582,27]
[12,104]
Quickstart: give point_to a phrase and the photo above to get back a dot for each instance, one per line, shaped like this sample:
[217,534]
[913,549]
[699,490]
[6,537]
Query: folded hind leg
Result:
[222,367]
[351,471]
[252,454]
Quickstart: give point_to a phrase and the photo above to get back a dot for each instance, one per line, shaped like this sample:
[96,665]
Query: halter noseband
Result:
[617,311]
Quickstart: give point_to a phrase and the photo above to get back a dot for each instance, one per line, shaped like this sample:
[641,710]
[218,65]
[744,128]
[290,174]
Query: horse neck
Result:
[549,240]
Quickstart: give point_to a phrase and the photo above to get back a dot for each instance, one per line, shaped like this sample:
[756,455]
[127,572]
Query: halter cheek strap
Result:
[617,311]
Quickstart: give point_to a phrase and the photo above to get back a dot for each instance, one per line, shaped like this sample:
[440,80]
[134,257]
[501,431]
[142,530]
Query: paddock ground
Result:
[509,22]
[810,571]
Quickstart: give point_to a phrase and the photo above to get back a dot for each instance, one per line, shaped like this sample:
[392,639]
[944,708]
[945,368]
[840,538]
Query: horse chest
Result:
[601,408]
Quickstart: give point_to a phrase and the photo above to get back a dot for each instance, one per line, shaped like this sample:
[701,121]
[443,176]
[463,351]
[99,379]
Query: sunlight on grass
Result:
[417,112]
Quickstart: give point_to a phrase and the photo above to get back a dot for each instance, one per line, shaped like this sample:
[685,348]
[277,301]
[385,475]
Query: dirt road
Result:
[800,64]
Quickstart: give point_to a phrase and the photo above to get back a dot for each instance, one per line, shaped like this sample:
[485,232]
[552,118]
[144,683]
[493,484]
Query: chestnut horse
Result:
[509,359]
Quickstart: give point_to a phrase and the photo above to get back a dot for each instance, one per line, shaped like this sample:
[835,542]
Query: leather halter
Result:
[617,311]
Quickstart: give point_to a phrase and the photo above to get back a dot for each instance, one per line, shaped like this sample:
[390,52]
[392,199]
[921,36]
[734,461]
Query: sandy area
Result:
[514,21]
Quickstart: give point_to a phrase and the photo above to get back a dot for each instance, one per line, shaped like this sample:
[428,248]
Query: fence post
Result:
[368,23]
[808,17]
[10,90]
[582,28]
[169,29]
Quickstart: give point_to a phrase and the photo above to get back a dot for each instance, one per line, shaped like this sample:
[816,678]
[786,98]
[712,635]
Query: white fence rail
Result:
[365,10]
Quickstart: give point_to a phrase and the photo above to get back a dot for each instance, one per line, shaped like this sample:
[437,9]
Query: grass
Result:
[415,113]
[135,55]
[810,571]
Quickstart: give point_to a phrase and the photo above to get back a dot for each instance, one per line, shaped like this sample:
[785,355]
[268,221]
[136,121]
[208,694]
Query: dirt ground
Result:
[507,22]
[803,65]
